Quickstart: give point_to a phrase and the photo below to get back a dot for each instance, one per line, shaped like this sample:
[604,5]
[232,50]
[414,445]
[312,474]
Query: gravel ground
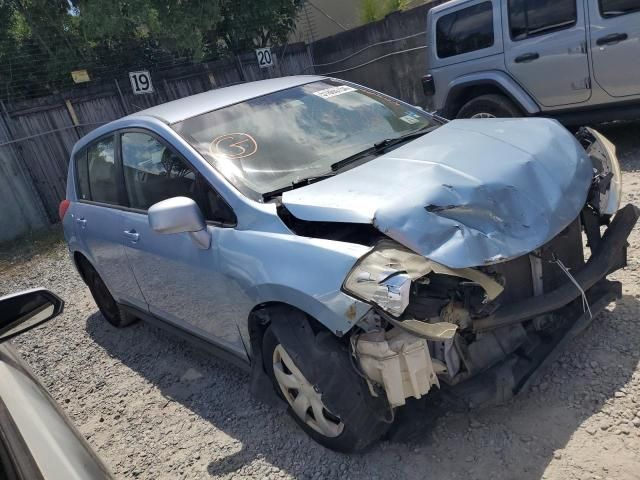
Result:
[154,407]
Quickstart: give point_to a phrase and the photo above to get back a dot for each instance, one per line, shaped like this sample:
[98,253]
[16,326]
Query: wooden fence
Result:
[43,157]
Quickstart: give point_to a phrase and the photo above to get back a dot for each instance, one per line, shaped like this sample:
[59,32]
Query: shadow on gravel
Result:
[516,440]
[626,137]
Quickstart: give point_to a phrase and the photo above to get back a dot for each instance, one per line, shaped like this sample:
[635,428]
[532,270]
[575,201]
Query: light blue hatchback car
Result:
[350,250]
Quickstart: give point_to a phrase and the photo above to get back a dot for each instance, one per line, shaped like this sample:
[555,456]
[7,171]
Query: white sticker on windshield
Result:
[334,91]
[410,119]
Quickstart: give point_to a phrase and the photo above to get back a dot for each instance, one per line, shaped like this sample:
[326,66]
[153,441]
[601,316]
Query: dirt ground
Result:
[154,407]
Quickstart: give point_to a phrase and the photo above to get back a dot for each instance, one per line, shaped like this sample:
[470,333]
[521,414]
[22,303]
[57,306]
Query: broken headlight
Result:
[384,275]
[607,187]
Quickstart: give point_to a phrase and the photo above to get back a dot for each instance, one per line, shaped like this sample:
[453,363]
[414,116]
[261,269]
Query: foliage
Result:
[258,23]
[374,10]
[42,41]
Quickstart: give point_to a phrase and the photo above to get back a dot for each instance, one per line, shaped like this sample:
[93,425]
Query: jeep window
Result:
[101,166]
[465,30]
[615,8]
[269,142]
[528,18]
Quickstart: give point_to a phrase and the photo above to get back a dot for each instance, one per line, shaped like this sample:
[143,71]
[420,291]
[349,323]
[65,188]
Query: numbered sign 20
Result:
[265,59]
[141,82]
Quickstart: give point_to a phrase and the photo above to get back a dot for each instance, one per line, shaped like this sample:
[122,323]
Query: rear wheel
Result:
[332,405]
[109,308]
[489,106]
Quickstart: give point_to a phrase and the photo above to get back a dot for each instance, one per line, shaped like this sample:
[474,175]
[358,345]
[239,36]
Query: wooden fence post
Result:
[74,117]
[122,102]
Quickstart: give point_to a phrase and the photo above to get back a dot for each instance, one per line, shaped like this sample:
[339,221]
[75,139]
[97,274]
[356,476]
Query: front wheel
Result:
[326,397]
[489,106]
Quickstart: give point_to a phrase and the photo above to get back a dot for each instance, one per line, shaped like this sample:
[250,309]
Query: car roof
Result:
[187,107]
[447,5]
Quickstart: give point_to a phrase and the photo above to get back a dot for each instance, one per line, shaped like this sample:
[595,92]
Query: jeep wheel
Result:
[110,310]
[489,106]
[332,405]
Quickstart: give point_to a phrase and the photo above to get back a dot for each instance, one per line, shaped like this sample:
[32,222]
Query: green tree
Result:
[174,26]
[374,10]
[42,41]
[38,44]
[256,23]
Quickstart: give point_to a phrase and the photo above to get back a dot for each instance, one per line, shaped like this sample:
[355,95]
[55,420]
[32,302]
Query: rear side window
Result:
[101,168]
[528,18]
[615,8]
[82,172]
[465,30]
[153,172]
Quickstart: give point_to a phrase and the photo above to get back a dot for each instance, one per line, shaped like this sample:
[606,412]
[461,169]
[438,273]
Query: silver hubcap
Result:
[483,115]
[305,401]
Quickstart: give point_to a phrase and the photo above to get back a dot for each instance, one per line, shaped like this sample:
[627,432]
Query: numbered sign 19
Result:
[141,82]
[265,58]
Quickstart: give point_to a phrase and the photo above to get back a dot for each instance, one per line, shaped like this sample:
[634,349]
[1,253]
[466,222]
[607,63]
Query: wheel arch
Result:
[264,313]
[260,318]
[466,87]
[82,264]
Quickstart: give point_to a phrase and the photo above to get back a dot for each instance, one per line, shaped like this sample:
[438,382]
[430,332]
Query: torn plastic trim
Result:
[609,255]
[606,190]
[383,276]
[439,331]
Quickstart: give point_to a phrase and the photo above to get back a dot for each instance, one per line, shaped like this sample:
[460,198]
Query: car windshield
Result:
[279,139]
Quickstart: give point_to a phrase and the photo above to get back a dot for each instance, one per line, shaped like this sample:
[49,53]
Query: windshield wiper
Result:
[381,146]
[295,184]
[378,147]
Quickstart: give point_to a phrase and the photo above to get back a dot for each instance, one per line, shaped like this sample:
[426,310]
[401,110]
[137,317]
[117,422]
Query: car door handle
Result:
[611,39]
[132,235]
[527,57]
[82,222]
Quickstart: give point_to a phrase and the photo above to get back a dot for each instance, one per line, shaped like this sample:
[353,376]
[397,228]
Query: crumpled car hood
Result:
[472,192]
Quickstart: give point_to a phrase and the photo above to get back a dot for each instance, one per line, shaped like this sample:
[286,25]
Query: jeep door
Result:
[545,49]
[181,282]
[615,45]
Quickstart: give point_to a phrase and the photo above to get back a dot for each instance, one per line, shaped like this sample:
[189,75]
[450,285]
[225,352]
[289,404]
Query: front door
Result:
[615,45]
[546,50]
[181,282]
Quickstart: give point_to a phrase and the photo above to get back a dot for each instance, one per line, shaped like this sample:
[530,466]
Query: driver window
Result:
[153,172]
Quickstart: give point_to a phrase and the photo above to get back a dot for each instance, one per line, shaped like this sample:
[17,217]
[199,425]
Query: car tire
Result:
[355,419]
[489,106]
[111,311]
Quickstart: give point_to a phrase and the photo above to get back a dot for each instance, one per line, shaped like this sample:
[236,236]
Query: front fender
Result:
[335,310]
[495,78]
[306,273]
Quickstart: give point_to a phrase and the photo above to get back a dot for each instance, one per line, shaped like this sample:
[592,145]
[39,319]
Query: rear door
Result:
[546,51]
[615,45]
[99,218]
[182,283]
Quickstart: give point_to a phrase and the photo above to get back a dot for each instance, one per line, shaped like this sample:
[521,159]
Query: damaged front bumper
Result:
[489,359]
[609,254]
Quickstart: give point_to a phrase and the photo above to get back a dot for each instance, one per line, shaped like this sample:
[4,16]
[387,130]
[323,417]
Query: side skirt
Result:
[199,342]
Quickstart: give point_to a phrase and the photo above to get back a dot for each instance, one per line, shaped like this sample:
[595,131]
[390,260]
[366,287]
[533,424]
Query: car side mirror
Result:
[23,311]
[180,215]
